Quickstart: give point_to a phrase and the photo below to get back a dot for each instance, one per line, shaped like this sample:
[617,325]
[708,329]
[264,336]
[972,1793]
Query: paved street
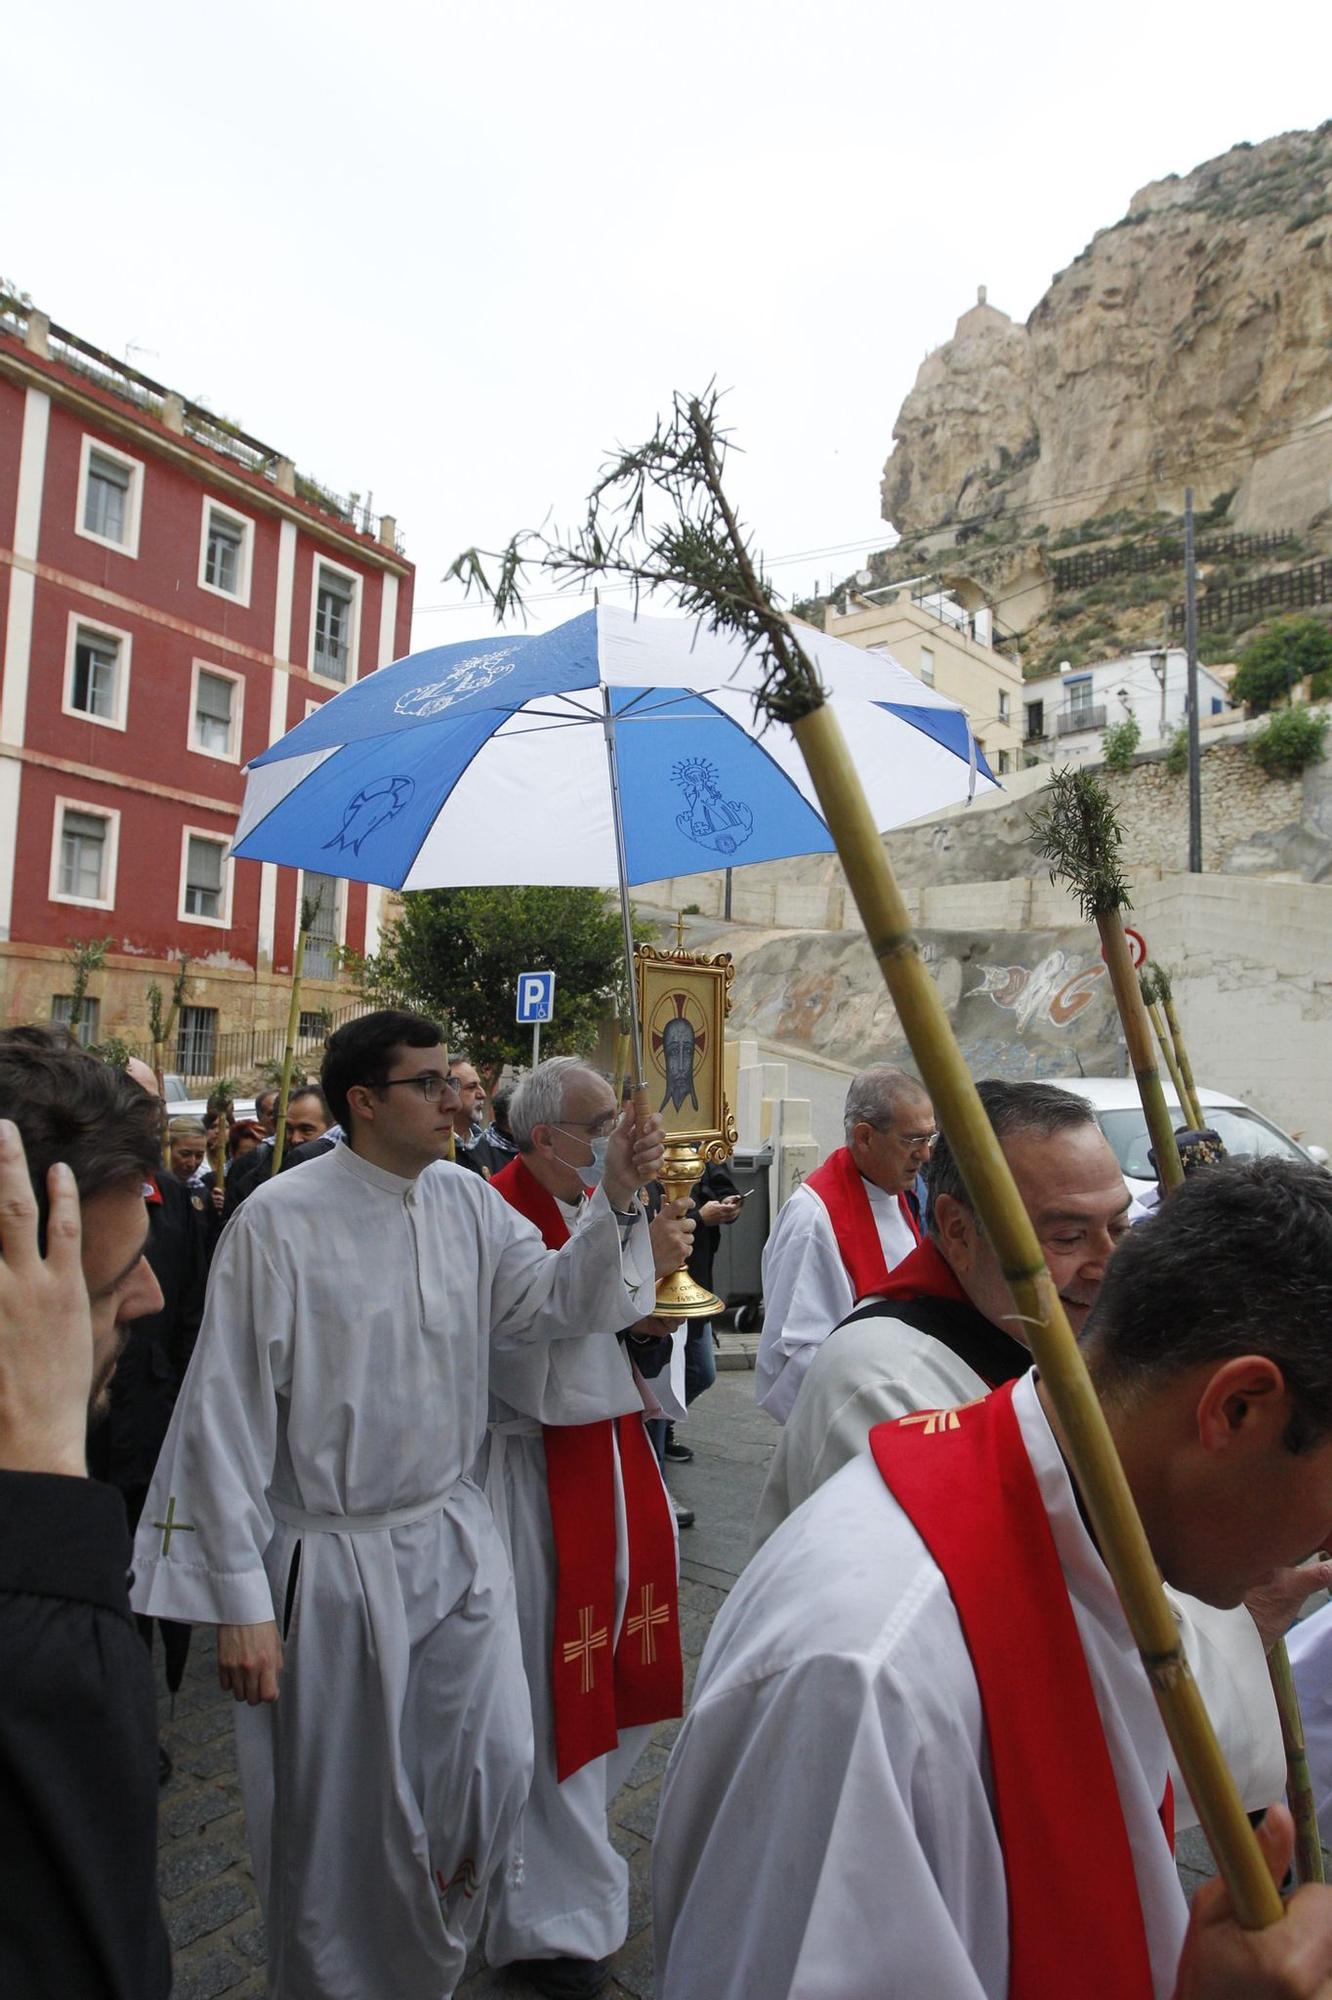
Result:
[207,1889]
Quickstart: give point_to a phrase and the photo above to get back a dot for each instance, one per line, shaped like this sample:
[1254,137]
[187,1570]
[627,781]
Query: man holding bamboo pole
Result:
[934,1773]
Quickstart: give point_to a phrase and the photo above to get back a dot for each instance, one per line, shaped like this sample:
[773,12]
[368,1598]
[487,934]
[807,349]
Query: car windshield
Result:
[1241,1130]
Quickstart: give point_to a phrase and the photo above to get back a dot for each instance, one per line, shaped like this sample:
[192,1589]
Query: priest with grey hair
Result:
[843,1230]
[577,1494]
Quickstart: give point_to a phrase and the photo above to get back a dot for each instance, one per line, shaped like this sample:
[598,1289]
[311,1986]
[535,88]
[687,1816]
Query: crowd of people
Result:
[393,1421]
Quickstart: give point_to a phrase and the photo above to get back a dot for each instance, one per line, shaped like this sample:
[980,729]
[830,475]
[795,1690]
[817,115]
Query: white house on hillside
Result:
[1066,714]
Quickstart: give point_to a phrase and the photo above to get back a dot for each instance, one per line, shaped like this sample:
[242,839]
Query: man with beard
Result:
[78,1737]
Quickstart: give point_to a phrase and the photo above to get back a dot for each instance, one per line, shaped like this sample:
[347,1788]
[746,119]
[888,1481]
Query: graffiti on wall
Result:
[1057,990]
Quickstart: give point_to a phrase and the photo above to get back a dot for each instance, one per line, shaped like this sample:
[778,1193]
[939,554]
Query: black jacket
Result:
[79,1915]
[124,1448]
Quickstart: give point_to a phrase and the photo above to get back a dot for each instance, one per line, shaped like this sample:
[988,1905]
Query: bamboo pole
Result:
[1299,1784]
[1166,1047]
[293,1028]
[1138,1037]
[1095,1463]
[1181,1052]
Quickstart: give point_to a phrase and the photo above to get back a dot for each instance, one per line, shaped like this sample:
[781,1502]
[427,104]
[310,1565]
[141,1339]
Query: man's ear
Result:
[361,1100]
[1242,1404]
[955,1225]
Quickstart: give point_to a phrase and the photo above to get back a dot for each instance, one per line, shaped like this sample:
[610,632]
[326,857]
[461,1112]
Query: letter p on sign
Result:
[536,998]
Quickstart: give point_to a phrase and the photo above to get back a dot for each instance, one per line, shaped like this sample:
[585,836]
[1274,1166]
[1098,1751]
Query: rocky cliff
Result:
[1189,343]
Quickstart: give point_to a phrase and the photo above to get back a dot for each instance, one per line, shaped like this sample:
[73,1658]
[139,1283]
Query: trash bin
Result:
[737,1273]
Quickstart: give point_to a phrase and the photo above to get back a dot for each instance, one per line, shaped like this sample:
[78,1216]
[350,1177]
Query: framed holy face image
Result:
[683,1002]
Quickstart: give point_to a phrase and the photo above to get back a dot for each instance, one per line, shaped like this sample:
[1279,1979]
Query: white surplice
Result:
[881,1368]
[806,1290]
[316,1472]
[1310,1647]
[827,1826]
[565,1891]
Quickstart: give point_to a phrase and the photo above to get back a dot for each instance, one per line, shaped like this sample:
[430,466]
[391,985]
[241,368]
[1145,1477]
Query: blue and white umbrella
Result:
[487,763]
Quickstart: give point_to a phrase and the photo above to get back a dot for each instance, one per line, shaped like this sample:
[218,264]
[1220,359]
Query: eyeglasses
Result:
[430,1084]
[596,1128]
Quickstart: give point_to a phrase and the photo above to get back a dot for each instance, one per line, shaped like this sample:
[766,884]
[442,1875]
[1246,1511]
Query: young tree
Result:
[1279,656]
[458,953]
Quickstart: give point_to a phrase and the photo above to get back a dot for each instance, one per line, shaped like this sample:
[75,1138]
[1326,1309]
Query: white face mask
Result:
[589,1174]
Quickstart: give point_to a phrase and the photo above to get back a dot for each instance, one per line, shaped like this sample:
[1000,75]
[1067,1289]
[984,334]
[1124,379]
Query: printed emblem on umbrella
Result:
[711,821]
[468,677]
[370,809]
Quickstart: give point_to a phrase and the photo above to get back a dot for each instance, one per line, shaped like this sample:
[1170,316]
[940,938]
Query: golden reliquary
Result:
[683,1002]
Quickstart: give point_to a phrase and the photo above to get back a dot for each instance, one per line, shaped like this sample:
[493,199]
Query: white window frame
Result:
[925,665]
[124,642]
[133,499]
[211,834]
[354,578]
[1005,706]
[107,901]
[233,755]
[341,884]
[241,595]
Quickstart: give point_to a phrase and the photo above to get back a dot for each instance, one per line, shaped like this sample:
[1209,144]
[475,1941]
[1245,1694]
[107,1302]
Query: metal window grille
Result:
[90,1020]
[82,855]
[212,714]
[106,501]
[222,563]
[95,662]
[203,878]
[333,624]
[196,1041]
[321,947]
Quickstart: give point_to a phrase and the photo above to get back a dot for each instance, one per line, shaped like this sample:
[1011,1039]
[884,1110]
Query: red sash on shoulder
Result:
[964,1479]
[600,1688]
[840,1186]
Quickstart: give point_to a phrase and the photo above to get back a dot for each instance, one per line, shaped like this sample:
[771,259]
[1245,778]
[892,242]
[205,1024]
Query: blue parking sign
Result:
[536,998]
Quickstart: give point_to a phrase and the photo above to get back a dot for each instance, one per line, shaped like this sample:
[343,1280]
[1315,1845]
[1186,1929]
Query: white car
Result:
[1119,1114]
[180,1104]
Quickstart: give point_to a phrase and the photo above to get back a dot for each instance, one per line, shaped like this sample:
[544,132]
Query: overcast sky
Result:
[449,253]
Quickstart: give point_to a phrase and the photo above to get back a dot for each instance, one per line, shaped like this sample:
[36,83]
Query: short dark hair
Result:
[271,1093]
[362,1051]
[71,1107]
[309,1090]
[1012,1108]
[1237,1260]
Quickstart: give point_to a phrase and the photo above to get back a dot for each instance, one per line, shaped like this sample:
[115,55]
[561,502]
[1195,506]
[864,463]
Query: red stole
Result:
[840,1186]
[645,1681]
[965,1481]
[924,1274]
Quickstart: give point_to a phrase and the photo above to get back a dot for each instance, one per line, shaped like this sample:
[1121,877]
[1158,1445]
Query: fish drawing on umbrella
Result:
[711,821]
[370,809]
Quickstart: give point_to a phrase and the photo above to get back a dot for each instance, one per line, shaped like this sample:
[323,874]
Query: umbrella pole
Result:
[626,914]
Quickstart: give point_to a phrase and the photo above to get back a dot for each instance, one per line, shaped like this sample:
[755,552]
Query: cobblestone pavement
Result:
[208,1893]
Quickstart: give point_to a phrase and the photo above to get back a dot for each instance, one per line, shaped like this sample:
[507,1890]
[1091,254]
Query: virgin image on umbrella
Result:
[486,763]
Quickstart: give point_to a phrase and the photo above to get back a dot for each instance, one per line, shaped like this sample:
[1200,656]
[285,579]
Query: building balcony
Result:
[1070,720]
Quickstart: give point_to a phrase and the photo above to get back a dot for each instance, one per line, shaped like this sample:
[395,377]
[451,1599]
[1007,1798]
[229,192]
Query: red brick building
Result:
[173,598]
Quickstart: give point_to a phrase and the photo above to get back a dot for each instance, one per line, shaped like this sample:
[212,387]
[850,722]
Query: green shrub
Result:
[1292,738]
[1119,742]
[1177,756]
[1279,656]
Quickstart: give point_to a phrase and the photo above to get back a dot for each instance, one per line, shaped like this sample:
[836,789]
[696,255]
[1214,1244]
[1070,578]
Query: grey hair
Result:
[538,1097]
[1013,1109]
[875,1095]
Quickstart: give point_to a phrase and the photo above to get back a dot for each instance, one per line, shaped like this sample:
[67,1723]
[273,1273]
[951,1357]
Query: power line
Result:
[1169,471]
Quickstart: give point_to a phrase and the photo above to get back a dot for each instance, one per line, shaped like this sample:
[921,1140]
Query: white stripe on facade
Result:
[18,635]
[388,618]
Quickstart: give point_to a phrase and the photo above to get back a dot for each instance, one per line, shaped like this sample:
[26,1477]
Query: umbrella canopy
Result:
[486,763]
